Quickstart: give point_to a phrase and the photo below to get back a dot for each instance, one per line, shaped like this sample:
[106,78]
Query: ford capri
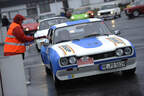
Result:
[85,48]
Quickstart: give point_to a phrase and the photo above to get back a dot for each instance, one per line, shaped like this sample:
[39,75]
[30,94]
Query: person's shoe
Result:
[28,82]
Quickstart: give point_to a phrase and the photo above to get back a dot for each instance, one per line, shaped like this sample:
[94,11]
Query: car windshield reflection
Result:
[77,32]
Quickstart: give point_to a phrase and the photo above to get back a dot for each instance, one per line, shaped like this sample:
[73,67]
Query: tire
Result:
[129,72]
[37,48]
[48,71]
[55,80]
[136,13]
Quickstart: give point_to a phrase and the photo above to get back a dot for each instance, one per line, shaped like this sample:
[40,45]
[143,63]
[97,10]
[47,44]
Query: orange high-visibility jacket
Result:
[12,45]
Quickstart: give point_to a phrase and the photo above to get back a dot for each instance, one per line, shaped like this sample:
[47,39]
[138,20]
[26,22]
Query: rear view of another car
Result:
[135,9]
[30,26]
[43,28]
[109,11]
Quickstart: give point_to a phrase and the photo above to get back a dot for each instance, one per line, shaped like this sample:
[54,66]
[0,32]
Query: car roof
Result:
[50,18]
[75,22]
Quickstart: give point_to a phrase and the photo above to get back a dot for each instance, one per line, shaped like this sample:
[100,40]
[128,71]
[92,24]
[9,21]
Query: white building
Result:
[45,7]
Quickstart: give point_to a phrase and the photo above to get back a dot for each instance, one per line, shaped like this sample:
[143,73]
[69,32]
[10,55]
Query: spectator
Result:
[5,22]
[14,42]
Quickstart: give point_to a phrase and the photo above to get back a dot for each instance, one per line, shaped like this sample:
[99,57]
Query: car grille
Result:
[103,55]
[105,13]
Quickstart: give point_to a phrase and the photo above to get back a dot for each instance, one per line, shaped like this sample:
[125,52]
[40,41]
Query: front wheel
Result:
[56,81]
[136,13]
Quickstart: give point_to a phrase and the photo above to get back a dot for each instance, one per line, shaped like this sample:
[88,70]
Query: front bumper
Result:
[92,70]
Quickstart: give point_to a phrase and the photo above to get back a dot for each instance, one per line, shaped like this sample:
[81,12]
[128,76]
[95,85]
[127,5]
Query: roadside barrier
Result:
[3,32]
[12,76]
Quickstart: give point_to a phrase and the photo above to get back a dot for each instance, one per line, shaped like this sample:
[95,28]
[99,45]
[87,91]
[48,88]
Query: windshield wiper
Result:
[75,39]
[106,34]
[62,41]
[90,35]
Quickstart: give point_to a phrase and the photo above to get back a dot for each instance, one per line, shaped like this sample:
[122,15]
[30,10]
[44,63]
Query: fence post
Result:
[3,32]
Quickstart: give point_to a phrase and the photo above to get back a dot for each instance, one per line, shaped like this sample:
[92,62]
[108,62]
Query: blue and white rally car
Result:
[84,48]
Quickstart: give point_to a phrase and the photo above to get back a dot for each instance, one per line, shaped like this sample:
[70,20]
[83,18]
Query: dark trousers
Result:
[23,56]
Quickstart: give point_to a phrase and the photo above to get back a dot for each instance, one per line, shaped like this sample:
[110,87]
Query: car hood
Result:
[30,26]
[91,45]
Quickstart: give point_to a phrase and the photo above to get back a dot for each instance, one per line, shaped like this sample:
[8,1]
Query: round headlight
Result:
[127,51]
[72,17]
[64,61]
[27,29]
[86,15]
[112,12]
[98,14]
[119,52]
[72,60]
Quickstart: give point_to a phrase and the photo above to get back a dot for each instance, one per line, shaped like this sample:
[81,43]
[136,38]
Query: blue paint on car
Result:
[44,55]
[54,59]
[91,42]
[77,22]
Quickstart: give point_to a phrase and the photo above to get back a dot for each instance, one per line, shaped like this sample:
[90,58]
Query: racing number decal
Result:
[66,49]
[116,41]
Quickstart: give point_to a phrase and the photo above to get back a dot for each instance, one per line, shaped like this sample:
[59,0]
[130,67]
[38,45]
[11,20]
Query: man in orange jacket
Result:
[14,42]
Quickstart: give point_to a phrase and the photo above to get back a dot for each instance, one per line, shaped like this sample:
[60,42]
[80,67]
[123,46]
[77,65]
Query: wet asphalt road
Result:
[114,84]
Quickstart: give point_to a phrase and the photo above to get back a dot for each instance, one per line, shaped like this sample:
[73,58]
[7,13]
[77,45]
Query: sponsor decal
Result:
[85,61]
[66,49]
[116,41]
[71,76]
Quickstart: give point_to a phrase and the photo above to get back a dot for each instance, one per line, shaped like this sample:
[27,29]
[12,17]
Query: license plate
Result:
[112,65]
[85,61]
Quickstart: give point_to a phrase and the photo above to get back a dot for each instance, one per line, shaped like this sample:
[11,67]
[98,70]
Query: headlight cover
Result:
[72,60]
[98,14]
[68,61]
[112,12]
[86,15]
[26,29]
[64,61]
[72,17]
[119,52]
[127,51]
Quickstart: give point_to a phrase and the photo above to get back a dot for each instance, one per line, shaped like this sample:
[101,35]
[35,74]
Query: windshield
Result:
[108,6]
[81,11]
[47,23]
[27,21]
[80,31]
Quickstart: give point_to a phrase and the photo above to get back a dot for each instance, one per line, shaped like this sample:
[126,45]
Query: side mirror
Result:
[117,32]
[46,42]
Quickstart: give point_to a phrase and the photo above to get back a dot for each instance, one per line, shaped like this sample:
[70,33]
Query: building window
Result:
[85,2]
[44,7]
[109,0]
[31,9]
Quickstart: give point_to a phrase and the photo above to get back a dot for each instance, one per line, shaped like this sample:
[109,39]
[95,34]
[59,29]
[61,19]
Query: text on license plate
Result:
[112,65]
